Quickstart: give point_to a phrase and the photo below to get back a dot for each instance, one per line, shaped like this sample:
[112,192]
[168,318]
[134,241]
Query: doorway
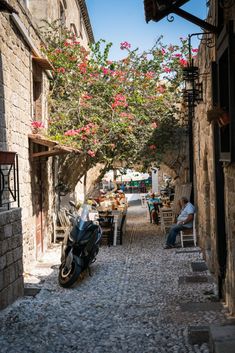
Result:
[221,236]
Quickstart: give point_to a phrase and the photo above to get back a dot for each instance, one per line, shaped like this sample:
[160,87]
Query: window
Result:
[226,92]
[37,92]
[73,29]
[62,14]
[81,27]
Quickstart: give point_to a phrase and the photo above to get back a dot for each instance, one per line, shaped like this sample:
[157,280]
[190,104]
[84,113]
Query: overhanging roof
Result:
[86,19]
[51,148]
[156,10]
[152,12]
[44,63]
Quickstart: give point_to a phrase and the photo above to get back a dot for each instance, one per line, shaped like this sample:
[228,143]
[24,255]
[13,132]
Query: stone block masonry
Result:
[11,262]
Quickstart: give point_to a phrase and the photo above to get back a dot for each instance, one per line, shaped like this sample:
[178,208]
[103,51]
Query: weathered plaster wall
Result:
[50,10]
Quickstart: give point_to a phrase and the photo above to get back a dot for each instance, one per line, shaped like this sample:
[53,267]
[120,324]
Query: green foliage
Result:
[122,110]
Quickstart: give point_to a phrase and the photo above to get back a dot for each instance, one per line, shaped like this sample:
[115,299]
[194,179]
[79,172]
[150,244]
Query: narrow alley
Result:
[139,299]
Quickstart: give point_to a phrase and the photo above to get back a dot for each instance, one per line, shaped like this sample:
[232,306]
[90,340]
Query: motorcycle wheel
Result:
[67,277]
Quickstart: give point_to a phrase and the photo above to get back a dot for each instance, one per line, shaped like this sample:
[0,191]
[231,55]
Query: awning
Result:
[156,10]
[40,146]
[43,63]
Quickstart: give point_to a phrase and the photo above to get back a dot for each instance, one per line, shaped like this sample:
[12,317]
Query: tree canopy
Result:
[114,111]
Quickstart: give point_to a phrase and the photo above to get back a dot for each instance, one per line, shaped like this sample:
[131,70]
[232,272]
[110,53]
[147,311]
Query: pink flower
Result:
[86,96]
[161,89]
[154,125]
[37,125]
[195,50]
[177,55]
[127,115]
[71,133]
[57,51]
[105,71]
[91,153]
[125,45]
[152,147]
[149,74]
[163,51]
[61,70]
[167,69]
[83,67]
[72,58]
[67,43]
[119,101]
[183,62]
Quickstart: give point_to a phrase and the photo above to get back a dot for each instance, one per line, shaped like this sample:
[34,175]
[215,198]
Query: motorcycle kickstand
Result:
[89,271]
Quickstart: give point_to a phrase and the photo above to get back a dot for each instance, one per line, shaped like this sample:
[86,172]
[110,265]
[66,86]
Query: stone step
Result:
[222,339]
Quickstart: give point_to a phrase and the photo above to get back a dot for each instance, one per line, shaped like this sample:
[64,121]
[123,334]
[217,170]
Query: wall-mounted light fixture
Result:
[193,93]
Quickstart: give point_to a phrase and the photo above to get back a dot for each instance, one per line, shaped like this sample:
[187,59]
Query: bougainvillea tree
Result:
[111,111]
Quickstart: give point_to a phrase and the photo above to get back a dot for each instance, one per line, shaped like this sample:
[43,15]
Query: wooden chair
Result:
[166,218]
[61,224]
[143,200]
[107,226]
[121,228]
[189,235]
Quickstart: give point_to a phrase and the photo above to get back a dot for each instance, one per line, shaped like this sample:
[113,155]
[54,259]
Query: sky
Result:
[117,21]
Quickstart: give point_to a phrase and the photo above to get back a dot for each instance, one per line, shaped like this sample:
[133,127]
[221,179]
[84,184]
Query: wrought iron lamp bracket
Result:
[226,4]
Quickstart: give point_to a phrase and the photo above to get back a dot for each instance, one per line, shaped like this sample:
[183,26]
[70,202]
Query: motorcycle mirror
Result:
[72,203]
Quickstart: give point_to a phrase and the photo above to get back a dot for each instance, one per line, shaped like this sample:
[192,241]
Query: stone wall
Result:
[11,265]
[16,115]
[230,230]
[204,179]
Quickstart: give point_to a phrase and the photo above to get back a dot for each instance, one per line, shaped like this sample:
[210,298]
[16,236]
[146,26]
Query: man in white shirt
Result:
[184,221]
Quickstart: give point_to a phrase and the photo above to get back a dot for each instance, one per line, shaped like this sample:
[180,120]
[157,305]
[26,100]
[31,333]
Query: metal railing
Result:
[9,180]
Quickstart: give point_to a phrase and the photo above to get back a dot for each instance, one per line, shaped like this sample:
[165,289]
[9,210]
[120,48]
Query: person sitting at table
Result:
[184,221]
[102,196]
[153,203]
[122,197]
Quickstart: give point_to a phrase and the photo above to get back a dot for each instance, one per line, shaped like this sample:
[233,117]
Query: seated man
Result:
[184,221]
[153,203]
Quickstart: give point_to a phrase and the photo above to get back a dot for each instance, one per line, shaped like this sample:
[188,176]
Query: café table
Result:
[118,215]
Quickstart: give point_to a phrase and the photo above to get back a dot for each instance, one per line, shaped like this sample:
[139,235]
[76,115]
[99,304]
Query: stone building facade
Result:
[212,133]
[214,149]
[24,85]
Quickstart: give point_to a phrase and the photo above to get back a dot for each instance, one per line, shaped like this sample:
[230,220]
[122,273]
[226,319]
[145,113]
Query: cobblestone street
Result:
[136,301]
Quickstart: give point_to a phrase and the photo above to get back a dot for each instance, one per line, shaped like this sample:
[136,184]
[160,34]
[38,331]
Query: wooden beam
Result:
[191,18]
[43,63]
[38,139]
[48,153]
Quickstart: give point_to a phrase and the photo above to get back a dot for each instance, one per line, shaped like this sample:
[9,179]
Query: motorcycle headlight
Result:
[71,238]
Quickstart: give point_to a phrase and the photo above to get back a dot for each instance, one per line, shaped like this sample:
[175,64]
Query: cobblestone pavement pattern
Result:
[131,304]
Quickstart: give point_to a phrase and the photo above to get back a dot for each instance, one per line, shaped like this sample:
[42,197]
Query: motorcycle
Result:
[79,248]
